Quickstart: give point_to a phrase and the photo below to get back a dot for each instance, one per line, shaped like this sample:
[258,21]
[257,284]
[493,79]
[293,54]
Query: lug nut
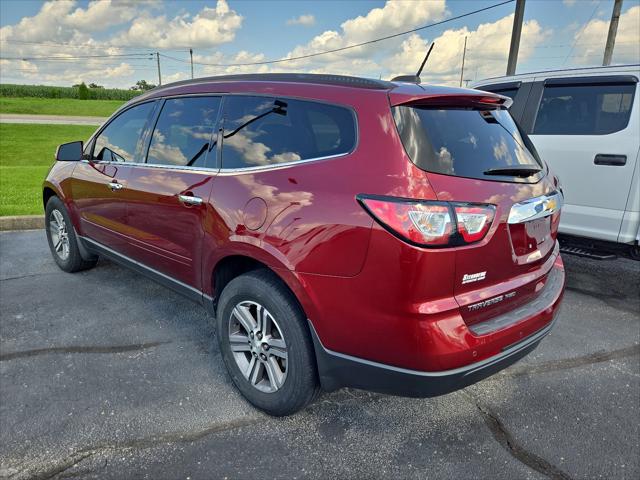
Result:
[259,336]
[251,334]
[263,356]
[265,346]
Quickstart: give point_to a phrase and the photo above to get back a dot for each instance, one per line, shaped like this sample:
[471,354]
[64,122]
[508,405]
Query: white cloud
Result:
[63,29]
[487,51]
[393,17]
[208,28]
[305,20]
[59,21]
[101,14]
[174,77]
[569,3]
[590,46]
[133,24]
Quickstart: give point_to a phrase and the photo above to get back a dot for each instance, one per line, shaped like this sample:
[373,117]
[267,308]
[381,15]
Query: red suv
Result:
[346,232]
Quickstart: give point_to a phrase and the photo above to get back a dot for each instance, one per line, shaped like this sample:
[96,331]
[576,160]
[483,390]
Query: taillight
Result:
[474,221]
[431,223]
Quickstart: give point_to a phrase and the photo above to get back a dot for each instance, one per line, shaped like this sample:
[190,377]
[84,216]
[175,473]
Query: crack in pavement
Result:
[80,349]
[75,458]
[510,444]
[496,427]
[55,469]
[29,275]
[568,363]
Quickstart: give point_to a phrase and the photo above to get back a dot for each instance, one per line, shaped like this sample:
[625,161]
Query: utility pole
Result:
[464,53]
[191,54]
[515,37]
[613,30]
[159,76]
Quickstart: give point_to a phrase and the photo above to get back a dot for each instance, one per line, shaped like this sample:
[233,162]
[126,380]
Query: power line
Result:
[78,57]
[582,31]
[90,45]
[348,47]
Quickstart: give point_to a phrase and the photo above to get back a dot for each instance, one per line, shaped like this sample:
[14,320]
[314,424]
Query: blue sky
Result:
[556,34]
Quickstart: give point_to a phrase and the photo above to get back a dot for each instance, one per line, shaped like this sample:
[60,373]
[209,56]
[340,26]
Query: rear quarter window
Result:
[263,131]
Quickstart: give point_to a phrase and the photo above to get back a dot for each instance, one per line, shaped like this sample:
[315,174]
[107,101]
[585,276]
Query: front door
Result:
[167,198]
[586,133]
[99,182]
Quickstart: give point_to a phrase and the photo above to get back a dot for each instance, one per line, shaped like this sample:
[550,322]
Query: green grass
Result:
[46,91]
[26,153]
[59,106]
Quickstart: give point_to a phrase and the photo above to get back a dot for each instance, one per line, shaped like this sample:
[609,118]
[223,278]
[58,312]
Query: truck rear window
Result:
[464,142]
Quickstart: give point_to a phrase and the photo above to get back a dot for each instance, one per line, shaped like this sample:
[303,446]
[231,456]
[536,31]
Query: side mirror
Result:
[69,152]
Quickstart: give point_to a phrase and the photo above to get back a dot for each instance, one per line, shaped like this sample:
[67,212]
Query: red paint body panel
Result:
[162,232]
[101,211]
[368,293]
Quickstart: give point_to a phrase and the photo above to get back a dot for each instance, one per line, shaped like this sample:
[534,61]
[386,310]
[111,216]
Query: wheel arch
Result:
[237,257]
[235,264]
[48,191]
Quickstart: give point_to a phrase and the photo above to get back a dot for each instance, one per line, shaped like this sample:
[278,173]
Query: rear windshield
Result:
[465,142]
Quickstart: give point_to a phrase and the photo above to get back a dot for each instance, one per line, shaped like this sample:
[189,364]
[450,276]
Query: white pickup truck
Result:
[585,123]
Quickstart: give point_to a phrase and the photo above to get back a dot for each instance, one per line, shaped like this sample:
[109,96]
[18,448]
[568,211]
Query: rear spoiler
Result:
[440,96]
[481,100]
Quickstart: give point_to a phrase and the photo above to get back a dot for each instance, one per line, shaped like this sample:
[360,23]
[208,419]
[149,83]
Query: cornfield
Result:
[43,91]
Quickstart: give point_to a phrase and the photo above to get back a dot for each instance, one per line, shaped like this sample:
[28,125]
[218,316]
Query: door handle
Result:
[115,186]
[189,200]
[614,160]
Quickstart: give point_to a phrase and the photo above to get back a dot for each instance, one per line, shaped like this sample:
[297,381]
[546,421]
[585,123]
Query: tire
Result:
[60,229]
[261,294]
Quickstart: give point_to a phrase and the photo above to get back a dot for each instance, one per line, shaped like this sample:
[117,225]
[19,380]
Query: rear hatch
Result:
[472,152]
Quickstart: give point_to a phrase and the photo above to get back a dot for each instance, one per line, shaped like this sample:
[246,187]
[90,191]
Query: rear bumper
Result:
[337,370]
[502,340]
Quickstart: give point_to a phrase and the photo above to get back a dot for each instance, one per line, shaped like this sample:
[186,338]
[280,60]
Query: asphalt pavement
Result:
[105,374]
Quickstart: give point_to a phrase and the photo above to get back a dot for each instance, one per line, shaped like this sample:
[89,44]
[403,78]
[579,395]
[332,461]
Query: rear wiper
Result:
[514,170]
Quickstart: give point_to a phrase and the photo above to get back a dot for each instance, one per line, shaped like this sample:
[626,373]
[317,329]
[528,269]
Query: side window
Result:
[183,132]
[584,109]
[121,140]
[261,131]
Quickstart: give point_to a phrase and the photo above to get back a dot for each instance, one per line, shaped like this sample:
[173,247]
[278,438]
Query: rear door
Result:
[167,197]
[472,155]
[585,130]
[98,182]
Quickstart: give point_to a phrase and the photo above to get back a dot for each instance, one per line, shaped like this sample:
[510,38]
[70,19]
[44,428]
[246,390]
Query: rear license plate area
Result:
[530,236]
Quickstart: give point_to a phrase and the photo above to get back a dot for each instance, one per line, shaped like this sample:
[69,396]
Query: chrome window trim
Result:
[535,208]
[222,171]
[153,165]
[277,166]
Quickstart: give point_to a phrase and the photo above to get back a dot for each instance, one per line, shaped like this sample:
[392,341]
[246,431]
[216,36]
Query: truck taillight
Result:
[430,223]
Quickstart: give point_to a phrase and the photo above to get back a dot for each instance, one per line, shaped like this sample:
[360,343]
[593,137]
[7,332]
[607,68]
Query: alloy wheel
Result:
[258,346]
[59,234]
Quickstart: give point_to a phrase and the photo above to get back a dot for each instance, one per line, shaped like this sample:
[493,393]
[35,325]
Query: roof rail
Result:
[322,79]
